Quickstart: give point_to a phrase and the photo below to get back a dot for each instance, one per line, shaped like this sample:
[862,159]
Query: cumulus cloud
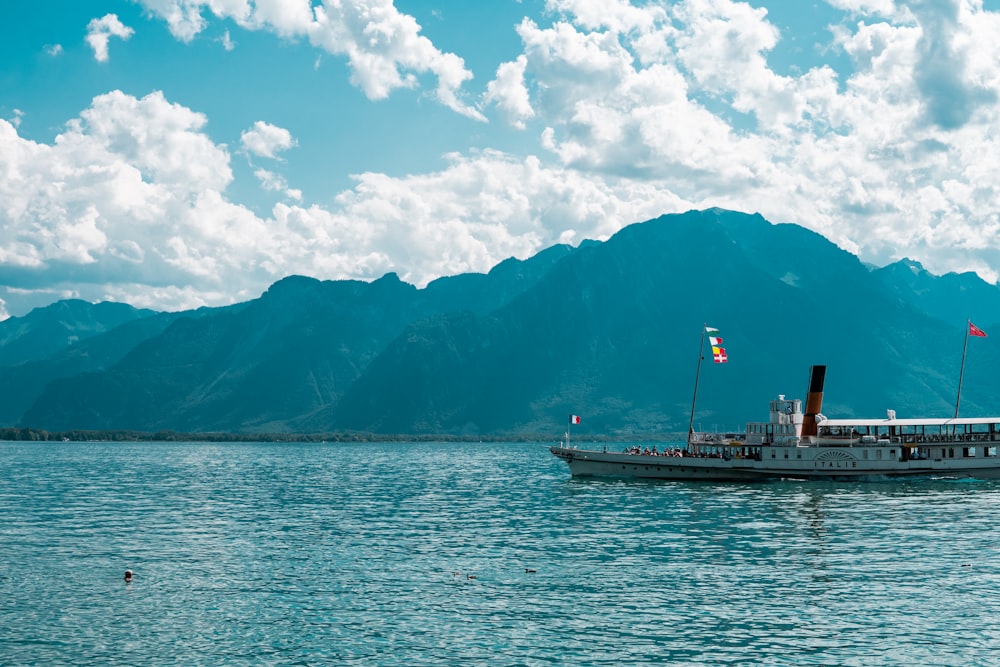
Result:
[383,46]
[612,118]
[104,203]
[129,203]
[509,92]
[885,8]
[273,182]
[489,206]
[639,110]
[682,95]
[266,140]
[941,72]
[617,16]
[100,31]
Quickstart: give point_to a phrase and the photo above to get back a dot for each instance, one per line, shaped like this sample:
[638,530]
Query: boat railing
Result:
[723,449]
[716,438]
[921,439]
[856,440]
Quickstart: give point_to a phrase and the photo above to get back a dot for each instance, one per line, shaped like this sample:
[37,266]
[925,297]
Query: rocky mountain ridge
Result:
[607,330]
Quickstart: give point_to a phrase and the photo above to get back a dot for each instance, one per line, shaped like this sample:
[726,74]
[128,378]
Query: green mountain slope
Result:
[270,364]
[608,330]
[612,333]
[47,331]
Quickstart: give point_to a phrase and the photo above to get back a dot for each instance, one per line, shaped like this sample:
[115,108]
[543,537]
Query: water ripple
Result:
[445,554]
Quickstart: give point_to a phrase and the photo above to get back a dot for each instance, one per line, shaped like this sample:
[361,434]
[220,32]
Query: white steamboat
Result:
[797,444]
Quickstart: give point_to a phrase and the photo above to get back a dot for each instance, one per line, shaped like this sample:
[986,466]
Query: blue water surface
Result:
[476,554]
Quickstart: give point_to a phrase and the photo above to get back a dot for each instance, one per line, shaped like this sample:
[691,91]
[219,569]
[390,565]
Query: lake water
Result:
[476,554]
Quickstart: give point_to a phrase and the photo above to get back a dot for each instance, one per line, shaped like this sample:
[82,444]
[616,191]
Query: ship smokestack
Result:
[814,400]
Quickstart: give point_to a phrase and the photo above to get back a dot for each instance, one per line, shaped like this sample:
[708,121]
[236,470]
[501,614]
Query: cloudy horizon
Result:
[178,153]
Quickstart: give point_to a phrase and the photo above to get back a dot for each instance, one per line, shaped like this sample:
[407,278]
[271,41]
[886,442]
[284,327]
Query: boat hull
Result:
[817,466]
[588,463]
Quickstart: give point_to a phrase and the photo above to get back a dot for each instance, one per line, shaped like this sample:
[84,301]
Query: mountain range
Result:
[607,330]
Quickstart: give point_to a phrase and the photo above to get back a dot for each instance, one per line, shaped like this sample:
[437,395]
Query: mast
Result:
[961,372]
[697,375]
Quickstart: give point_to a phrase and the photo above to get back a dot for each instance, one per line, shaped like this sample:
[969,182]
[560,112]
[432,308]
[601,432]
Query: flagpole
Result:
[961,373]
[569,427]
[697,375]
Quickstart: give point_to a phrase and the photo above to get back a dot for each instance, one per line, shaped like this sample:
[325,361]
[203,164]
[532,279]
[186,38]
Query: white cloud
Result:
[885,8]
[386,51]
[184,16]
[100,31]
[267,140]
[618,16]
[383,46]
[682,96]
[273,182]
[508,91]
[128,203]
[639,110]
[54,50]
[950,98]
[487,207]
[611,118]
[114,188]
[723,46]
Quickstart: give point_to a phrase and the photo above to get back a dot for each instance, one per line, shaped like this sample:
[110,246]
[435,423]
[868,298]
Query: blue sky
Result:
[179,153]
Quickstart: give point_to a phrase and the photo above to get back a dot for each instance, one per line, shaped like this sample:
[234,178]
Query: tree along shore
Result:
[25,434]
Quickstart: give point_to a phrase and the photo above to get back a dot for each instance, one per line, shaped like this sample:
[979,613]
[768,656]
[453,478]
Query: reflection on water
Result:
[444,554]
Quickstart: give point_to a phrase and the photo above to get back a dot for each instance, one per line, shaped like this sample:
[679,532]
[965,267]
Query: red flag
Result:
[574,419]
[719,354]
[976,331]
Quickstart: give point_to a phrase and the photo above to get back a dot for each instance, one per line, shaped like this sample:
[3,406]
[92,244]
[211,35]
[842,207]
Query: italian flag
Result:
[714,339]
[574,419]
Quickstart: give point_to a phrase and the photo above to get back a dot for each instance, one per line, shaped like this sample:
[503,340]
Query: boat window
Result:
[878,453]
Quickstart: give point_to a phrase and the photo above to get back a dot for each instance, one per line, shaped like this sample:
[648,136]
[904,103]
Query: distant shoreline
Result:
[23,434]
